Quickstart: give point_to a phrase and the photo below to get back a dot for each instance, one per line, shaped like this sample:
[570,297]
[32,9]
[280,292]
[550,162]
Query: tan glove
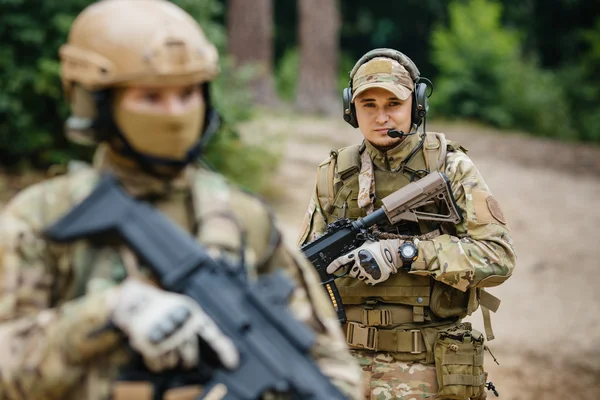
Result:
[164,327]
[373,262]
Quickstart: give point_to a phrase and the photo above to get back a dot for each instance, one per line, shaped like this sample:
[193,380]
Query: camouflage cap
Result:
[384,73]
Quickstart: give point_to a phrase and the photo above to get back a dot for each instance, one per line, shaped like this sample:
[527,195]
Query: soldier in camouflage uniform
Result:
[404,316]
[136,74]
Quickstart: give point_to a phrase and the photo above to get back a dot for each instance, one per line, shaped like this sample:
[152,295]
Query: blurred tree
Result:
[250,42]
[319,52]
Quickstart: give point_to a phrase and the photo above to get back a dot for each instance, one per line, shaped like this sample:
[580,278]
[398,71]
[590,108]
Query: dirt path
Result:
[548,326]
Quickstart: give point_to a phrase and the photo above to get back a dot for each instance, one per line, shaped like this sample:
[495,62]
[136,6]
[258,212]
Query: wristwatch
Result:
[408,252]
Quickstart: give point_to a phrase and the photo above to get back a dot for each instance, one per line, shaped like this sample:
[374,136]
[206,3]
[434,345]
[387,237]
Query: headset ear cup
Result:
[349,111]
[420,103]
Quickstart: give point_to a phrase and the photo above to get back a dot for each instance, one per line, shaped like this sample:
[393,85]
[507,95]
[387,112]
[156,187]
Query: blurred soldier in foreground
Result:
[136,75]
[407,288]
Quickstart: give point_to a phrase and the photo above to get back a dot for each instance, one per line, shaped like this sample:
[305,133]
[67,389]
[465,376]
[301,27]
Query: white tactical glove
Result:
[373,262]
[164,327]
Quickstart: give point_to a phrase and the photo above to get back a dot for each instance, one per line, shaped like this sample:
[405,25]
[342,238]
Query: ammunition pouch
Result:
[447,301]
[458,353]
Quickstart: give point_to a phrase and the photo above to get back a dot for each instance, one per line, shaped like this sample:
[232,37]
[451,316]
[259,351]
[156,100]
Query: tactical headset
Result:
[420,104]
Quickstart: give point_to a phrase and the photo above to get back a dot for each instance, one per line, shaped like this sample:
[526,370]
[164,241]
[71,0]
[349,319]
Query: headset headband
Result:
[388,53]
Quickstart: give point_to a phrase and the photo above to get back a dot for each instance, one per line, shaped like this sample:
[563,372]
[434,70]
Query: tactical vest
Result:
[393,315]
[216,227]
[215,214]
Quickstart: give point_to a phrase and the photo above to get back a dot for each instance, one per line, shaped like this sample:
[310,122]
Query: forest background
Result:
[530,65]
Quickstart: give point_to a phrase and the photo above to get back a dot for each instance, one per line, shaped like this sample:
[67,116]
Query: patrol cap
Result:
[385,73]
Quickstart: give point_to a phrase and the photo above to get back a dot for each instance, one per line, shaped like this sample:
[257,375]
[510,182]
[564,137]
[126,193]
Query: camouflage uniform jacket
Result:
[54,296]
[477,252]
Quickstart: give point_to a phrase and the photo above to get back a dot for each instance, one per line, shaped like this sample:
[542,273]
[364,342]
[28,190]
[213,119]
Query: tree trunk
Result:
[250,41]
[319,49]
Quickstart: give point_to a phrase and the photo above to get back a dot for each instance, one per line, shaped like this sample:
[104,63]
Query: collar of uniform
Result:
[391,159]
[137,182]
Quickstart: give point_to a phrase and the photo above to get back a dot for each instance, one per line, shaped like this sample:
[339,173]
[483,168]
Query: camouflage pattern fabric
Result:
[53,298]
[477,252]
[385,378]
[385,73]
[481,254]
[366,183]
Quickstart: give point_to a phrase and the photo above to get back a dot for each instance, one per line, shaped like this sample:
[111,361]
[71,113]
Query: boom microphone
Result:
[396,134]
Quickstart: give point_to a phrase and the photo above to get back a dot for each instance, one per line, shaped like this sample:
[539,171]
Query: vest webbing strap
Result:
[463,359]
[488,302]
[325,175]
[392,291]
[435,151]
[346,161]
[487,323]
[394,340]
[465,380]
[380,317]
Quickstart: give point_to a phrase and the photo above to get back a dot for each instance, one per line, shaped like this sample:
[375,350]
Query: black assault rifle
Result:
[273,345]
[343,236]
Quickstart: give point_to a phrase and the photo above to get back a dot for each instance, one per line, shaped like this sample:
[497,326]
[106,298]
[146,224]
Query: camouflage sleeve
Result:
[43,347]
[311,306]
[482,253]
[314,222]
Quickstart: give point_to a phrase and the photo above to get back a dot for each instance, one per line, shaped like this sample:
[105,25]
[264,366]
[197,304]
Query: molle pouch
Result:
[447,301]
[458,353]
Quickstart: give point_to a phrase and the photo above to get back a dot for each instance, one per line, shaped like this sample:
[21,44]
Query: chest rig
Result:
[205,210]
[397,315]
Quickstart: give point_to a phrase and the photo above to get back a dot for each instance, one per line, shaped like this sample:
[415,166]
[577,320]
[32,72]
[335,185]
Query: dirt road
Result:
[548,326]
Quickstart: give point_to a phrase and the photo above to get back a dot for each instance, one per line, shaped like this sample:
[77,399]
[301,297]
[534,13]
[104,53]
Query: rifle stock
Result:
[343,236]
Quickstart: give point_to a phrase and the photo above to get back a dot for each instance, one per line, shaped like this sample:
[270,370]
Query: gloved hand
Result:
[373,262]
[164,327]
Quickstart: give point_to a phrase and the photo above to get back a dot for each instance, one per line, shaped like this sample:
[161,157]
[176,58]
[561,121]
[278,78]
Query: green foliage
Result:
[484,76]
[536,101]
[582,86]
[31,107]
[346,65]
[286,75]
[250,165]
[472,55]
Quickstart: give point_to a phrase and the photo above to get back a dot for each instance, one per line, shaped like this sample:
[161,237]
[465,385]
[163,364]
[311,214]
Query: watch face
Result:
[408,251]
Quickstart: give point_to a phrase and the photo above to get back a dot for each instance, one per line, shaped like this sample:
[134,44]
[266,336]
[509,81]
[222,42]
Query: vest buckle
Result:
[416,342]
[376,317]
[365,337]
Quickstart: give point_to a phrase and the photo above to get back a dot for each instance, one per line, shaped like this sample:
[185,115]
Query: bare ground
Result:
[548,326]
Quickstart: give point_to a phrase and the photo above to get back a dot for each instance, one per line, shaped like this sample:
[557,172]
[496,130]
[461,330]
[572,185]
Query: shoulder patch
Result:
[487,208]
[495,209]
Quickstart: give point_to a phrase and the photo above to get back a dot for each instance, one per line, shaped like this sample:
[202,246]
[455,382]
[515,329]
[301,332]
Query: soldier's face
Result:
[377,111]
[160,122]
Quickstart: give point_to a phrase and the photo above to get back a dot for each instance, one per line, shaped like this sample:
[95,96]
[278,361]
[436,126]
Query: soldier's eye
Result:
[152,97]
[187,92]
